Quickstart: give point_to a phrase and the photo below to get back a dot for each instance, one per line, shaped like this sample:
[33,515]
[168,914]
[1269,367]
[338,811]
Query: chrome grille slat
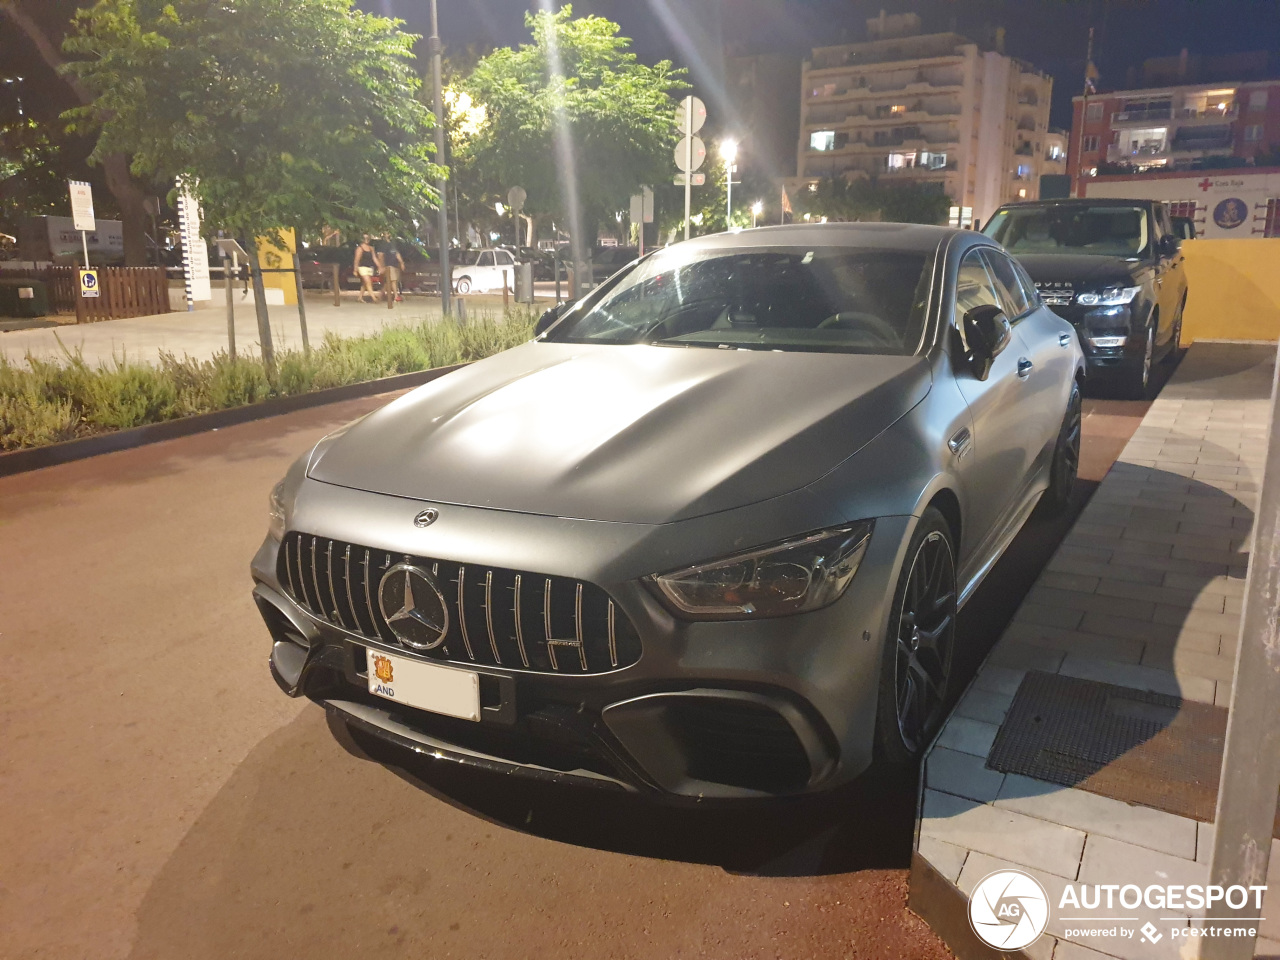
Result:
[488,615]
[574,614]
[462,613]
[524,656]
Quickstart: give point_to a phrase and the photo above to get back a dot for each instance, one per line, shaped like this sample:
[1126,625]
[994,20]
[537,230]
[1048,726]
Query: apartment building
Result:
[1179,127]
[926,108]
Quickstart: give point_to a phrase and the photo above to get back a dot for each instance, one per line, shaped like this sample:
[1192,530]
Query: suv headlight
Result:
[1110,297]
[794,576]
[275,511]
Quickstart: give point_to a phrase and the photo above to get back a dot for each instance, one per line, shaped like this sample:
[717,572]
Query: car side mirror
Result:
[550,317]
[1169,244]
[987,331]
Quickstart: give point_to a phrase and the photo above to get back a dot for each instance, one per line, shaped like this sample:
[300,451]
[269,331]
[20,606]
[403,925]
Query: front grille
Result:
[497,617]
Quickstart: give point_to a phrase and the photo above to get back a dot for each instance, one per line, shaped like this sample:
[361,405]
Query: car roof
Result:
[895,236]
[1080,202]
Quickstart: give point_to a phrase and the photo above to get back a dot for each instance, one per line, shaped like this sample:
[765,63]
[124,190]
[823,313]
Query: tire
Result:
[1138,386]
[464,285]
[915,671]
[1066,459]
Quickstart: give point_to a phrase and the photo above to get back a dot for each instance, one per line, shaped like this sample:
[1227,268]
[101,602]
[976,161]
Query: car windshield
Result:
[1106,230]
[815,299]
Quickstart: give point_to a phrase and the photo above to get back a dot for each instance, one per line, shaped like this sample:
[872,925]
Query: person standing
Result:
[391,264]
[366,266]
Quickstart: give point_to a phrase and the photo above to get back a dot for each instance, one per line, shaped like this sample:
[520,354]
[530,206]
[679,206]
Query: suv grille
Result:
[497,617]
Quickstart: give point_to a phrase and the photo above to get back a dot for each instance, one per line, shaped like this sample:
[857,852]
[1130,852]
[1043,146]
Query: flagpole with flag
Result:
[1090,78]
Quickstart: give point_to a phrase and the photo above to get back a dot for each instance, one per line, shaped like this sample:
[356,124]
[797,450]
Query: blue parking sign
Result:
[89,283]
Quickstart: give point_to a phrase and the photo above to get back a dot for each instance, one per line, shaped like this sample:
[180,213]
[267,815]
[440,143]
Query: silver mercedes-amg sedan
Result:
[705,536]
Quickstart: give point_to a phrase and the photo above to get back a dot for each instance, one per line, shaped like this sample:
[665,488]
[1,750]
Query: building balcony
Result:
[1142,117]
[1150,155]
[1212,115]
[1199,139]
[1024,150]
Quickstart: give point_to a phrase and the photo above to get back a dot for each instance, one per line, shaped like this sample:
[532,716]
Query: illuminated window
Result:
[934,161]
[826,90]
[1022,193]
[898,108]
[822,140]
[1054,152]
[901,161]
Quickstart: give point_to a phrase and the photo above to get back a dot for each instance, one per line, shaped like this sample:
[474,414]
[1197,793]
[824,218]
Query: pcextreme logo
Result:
[1008,909]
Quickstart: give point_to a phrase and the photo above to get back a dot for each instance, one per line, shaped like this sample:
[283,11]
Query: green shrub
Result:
[45,401]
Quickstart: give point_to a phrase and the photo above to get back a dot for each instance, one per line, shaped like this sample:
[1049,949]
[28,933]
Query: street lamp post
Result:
[756,209]
[728,151]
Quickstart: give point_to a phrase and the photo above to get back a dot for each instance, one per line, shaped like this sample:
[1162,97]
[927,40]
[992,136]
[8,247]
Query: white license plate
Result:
[427,686]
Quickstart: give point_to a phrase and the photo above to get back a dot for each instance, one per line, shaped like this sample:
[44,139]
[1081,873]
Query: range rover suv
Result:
[1113,268]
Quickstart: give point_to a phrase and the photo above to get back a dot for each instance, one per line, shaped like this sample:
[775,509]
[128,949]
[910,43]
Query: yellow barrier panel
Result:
[1233,290]
[272,256]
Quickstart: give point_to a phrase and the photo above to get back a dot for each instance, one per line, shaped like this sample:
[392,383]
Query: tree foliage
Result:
[297,113]
[30,184]
[619,114]
[870,199]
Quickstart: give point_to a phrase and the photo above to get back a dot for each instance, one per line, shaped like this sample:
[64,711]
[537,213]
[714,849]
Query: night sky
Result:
[1051,34]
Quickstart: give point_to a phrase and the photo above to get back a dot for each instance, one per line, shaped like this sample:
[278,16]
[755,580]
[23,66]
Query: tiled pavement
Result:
[1144,592]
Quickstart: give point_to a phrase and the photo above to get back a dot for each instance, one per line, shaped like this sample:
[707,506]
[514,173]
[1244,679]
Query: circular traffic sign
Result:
[698,109]
[687,161]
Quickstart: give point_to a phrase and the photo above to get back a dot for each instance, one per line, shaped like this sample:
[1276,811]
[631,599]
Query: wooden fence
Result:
[123,291]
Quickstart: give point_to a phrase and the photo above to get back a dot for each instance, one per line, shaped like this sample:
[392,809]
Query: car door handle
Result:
[961,443]
[1024,368]
[1064,339]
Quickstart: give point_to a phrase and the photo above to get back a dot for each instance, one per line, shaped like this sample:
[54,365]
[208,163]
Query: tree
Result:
[837,198]
[282,113]
[43,24]
[616,114]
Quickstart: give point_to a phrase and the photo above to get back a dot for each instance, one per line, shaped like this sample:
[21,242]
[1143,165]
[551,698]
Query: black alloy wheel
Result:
[916,675]
[1066,458]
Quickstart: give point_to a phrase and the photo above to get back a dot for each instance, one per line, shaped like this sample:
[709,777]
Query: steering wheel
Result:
[853,320]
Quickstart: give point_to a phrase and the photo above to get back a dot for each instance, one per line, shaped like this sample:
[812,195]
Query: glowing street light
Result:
[500,208]
[756,209]
[729,153]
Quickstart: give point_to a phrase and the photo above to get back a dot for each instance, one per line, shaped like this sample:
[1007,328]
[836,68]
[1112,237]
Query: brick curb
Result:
[36,458]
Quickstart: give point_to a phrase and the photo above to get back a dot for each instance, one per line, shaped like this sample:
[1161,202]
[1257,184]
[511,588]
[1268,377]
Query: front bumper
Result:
[1096,328]
[710,709]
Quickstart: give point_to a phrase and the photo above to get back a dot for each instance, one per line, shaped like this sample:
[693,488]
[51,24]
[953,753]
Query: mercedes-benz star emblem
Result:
[413,606]
[427,517]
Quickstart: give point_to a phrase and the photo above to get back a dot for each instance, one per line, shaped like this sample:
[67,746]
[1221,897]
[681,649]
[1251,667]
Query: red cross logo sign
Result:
[1205,184]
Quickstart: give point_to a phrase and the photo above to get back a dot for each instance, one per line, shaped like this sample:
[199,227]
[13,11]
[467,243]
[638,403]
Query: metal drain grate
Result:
[1146,748]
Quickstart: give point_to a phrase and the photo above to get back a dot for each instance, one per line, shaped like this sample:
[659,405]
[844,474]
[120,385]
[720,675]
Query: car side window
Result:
[1013,299]
[974,288]
[504,258]
[1028,285]
[486,260]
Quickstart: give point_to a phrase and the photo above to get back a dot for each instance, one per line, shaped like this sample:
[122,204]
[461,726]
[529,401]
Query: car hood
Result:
[1079,269]
[639,433]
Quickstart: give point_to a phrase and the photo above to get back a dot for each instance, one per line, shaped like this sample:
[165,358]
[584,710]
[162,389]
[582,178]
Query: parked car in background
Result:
[606,261]
[705,536]
[544,262]
[1113,268]
[482,270]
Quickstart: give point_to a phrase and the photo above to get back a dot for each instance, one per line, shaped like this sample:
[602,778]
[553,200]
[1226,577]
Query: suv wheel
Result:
[915,672]
[1140,382]
[1066,458]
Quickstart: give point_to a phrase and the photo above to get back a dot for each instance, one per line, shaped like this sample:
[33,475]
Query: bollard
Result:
[461,303]
[337,287]
[506,294]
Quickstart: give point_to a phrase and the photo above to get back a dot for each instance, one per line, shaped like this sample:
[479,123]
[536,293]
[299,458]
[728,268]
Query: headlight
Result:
[1110,297]
[275,511]
[795,576]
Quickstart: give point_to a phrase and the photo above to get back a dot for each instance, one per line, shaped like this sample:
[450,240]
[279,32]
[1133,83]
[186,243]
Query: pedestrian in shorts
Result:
[366,267]
[391,263]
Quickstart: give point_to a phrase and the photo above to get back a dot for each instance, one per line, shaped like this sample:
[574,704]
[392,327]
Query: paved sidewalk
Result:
[202,333]
[1145,592]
